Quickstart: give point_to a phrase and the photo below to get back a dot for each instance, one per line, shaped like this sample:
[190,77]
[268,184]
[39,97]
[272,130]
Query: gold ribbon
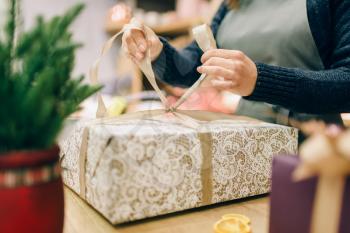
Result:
[190,119]
[327,157]
[82,162]
[207,167]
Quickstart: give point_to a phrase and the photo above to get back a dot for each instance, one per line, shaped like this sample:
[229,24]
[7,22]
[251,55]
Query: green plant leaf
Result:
[36,99]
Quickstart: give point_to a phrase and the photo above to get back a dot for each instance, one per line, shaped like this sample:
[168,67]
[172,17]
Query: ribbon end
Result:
[101,108]
[301,173]
[94,72]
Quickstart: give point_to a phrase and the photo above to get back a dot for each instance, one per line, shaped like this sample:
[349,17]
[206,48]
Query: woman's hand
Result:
[230,70]
[135,44]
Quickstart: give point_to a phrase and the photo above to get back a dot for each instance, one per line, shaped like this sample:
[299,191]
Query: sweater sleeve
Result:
[318,92]
[178,67]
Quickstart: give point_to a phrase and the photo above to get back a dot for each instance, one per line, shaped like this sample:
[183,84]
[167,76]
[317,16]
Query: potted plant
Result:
[37,93]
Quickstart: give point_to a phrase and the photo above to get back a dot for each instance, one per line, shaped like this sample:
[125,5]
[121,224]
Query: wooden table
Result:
[80,217]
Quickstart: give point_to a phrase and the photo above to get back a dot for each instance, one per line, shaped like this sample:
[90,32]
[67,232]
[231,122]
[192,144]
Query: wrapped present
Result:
[156,162]
[149,164]
[311,193]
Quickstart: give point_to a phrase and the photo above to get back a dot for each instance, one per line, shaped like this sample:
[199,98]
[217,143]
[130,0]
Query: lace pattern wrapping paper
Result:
[143,168]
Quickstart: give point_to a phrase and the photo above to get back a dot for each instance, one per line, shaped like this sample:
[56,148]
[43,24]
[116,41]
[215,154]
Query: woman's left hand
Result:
[230,70]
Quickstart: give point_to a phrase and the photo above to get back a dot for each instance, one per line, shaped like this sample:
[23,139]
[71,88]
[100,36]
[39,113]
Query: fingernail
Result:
[199,69]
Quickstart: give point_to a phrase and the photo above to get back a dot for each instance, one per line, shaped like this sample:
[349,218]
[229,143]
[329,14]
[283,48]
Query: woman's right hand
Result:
[135,44]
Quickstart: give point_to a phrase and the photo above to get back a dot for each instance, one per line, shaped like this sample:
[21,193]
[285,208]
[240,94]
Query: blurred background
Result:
[125,88]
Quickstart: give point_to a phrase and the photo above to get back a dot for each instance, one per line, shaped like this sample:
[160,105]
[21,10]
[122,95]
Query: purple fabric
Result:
[291,203]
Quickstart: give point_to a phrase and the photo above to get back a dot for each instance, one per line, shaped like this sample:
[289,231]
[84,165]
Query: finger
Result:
[135,51]
[216,71]
[134,60]
[152,42]
[131,47]
[222,62]
[223,85]
[140,40]
[223,53]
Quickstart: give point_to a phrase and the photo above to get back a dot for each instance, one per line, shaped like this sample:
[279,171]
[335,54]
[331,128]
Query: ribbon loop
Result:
[204,38]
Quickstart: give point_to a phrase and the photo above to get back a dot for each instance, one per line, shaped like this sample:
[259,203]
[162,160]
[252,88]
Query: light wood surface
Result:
[81,218]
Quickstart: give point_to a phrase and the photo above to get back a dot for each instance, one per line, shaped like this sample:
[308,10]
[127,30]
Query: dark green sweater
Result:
[323,91]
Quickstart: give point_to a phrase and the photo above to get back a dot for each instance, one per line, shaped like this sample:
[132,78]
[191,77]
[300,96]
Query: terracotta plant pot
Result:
[31,192]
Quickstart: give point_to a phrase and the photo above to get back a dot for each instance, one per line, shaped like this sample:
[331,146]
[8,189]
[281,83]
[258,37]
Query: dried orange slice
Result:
[231,225]
[241,217]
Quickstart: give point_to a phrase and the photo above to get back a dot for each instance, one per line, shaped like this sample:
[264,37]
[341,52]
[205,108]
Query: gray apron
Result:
[274,32]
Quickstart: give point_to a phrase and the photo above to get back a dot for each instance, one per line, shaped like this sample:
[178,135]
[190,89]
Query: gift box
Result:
[292,202]
[149,164]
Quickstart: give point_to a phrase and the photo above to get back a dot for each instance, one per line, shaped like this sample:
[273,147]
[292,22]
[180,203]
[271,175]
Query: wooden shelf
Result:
[179,27]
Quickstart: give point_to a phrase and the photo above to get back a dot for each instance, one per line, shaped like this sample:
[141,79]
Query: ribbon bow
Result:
[329,158]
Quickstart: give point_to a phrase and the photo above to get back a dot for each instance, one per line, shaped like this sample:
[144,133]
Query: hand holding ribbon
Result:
[204,38]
